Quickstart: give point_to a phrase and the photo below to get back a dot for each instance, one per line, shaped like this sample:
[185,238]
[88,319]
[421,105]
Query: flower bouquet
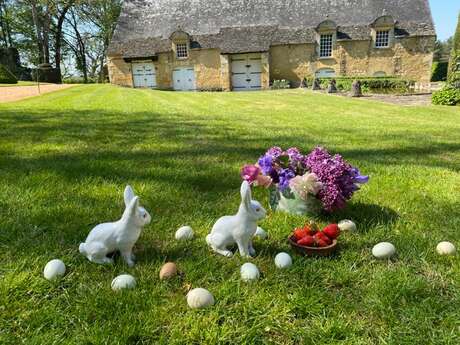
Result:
[305,184]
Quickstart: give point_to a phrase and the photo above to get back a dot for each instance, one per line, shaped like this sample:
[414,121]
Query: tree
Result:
[442,50]
[454,63]
[61,12]
[6,39]
[103,14]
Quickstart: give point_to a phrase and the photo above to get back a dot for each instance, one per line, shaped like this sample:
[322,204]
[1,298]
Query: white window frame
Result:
[382,39]
[326,45]
[181,50]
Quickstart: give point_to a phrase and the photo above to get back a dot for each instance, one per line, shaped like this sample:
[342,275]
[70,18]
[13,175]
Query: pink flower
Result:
[264,181]
[250,173]
[305,185]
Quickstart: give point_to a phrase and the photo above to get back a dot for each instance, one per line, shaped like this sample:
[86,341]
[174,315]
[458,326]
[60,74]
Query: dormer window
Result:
[382,38]
[181,50]
[325,45]
[383,32]
[326,35]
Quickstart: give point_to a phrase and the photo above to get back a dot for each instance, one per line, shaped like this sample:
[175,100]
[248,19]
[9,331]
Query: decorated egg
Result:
[261,233]
[199,298]
[168,270]
[446,248]
[249,272]
[184,233]
[123,281]
[54,269]
[283,260]
[383,250]
[347,225]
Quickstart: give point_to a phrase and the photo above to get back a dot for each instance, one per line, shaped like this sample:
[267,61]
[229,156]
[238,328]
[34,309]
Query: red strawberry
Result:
[321,243]
[323,237]
[300,233]
[332,231]
[308,241]
[309,230]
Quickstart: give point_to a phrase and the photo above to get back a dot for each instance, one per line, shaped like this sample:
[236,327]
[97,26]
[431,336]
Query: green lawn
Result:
[66,157]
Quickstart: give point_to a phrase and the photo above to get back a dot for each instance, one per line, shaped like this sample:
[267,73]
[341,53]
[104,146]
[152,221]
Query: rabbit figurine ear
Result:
[246,195]
[134,205]
[128,195]
[132,208]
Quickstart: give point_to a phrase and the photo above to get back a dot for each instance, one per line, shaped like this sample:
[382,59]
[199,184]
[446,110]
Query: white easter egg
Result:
[54,269]
[184,233]
[446,248]
[199,298]
[249,272]
[123,281]
[260,233]
[347,225]
[283,260]
[383,250]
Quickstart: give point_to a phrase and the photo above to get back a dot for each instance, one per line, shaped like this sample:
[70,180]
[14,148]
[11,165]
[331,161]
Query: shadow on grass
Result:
[197,157]
[366,216]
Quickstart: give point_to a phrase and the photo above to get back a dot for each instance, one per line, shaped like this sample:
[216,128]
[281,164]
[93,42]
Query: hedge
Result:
[367,83]
[439,71]
[6,77]
[446,96]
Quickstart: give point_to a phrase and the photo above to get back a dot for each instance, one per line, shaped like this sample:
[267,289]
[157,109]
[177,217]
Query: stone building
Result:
[246,44]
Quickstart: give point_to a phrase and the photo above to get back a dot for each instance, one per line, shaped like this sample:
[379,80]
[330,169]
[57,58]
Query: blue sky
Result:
[445,15]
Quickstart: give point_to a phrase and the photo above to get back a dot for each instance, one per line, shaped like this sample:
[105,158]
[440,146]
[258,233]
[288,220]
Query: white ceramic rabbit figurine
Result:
[239,229]
[120,236]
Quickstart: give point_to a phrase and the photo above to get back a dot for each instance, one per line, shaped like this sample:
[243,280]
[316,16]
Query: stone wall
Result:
[409,58]
[119,71]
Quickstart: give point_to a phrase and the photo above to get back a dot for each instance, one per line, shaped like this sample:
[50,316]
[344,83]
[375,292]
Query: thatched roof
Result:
[253,25]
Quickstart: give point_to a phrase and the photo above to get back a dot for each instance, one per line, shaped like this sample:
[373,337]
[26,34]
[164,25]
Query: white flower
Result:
[305,185]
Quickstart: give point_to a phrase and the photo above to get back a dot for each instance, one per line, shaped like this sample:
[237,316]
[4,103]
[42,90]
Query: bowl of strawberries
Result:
[310,240]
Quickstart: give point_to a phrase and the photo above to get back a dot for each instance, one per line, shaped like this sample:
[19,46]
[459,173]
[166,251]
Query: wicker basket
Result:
[313,251]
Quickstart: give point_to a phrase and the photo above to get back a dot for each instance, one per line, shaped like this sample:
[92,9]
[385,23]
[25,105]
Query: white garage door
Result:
[246,72]
[144,74]
[184,79]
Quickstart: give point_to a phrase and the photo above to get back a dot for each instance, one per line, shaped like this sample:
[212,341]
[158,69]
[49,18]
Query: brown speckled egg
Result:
[168,270]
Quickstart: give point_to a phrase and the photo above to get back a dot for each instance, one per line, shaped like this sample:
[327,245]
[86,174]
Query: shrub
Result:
[6,77]
[78,80]
[367,83]
[446,96]
[439,71]
[454,64]
[280,84]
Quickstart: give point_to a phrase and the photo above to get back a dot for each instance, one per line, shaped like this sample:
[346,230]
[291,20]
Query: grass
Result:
[66,157]
[23,83]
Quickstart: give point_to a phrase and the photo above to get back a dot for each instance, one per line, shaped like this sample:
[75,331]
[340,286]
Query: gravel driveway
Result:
[16,93]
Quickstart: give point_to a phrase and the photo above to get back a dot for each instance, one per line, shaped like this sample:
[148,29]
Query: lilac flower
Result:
[337,176]
[285,176]
[266,164]
[275,152]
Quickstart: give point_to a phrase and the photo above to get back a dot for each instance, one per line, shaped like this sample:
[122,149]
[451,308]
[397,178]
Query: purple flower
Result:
[338,177]
[275,151]
[285,176]
[266,164]
[357,177]
[250,173]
